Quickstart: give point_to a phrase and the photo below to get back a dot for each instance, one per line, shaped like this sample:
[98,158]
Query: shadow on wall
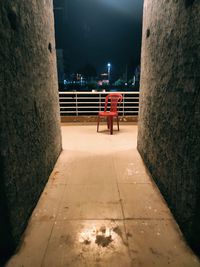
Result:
[6,243]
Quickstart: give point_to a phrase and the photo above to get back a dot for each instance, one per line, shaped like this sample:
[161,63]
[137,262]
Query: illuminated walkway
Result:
[101,209]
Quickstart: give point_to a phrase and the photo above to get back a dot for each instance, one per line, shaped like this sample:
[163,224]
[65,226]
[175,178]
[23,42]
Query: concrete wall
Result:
[30,140]
[169,128]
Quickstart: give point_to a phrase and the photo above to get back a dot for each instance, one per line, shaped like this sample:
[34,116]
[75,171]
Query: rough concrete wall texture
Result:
[169,127]
[30,139]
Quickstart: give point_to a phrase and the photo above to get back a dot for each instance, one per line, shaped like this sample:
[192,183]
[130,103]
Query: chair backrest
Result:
[114,100]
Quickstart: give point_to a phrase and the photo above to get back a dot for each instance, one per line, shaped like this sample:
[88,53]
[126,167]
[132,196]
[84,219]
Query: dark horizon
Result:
[99,32]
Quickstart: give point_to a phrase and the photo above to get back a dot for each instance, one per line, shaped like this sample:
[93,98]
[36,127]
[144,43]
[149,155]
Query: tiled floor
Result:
[101,209]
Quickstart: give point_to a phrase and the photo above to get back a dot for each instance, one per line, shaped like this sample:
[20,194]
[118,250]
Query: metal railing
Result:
[90,103]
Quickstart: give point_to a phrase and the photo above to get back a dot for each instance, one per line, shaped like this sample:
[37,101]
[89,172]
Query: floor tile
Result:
[157,243]
[143,201]
[130,167]
[92,170]
[90,202]
[33,247]
[128,173]
[104,193]
[48,205]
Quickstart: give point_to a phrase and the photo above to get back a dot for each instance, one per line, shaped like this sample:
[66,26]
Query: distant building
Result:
[136,77]
[137,74]
[103,79]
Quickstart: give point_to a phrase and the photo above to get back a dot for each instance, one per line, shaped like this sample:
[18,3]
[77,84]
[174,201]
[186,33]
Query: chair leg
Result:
[118,122]
[111,125]
[98,120]
[108,122]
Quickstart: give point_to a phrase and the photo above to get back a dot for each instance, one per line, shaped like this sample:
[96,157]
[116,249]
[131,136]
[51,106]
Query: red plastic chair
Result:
[110,111]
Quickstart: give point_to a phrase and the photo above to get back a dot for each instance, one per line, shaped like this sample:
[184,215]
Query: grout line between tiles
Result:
[55,219]
[121,204]
[105,219]
[45,252]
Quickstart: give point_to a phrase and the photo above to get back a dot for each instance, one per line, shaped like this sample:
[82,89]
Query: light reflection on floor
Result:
[104,236]
[102,242]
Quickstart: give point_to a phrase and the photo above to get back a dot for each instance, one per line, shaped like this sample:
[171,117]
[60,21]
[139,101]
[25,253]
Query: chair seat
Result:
[108,113]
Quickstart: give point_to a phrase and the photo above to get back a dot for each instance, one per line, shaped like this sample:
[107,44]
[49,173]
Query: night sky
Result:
[102,31]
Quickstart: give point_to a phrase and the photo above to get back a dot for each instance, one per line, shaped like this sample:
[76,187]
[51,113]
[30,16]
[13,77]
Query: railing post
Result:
[99,101]
[123,104]
[76,105]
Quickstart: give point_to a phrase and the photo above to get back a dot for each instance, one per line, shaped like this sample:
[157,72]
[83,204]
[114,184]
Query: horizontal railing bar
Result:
[93,112]
[97,98]
[94,98]
[97,93]
[73,95]
[86,97]
[81,107]
[135,97]
[92,102]
[120,114]
[82,102]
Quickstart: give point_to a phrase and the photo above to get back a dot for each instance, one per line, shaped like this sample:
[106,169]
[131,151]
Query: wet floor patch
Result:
[102,236]
[103,241]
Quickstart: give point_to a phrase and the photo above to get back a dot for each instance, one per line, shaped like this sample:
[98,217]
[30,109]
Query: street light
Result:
[109,68]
